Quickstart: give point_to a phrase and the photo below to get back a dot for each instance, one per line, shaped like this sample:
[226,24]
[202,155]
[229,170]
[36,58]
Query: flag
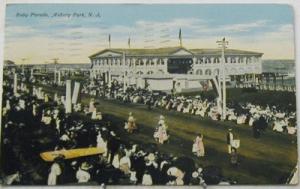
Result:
[129,42]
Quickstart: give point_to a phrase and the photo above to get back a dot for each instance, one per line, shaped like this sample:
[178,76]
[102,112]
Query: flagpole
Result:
[180,38]
[109,41]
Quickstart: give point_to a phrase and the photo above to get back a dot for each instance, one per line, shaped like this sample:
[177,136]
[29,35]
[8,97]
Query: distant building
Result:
[174,66]
[9,63]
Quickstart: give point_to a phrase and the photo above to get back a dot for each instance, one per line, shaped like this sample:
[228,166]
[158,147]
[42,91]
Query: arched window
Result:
[216,71]
[139,73]
[199,72]
[216,60]
[142,63]
[147,62]
[207,60]
[240,60]
[208,72]
[232,60]
[137,62]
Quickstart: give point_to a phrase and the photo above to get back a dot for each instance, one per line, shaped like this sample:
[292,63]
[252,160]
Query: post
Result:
[68,104]
[109,78]
[75,93]
[55,81]
[224,82]
[220,95]
[124,74]
[91,74]
[223,44]
[59,77]
[15,83]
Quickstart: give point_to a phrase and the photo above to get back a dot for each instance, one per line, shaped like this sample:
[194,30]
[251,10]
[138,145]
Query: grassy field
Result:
[268,160]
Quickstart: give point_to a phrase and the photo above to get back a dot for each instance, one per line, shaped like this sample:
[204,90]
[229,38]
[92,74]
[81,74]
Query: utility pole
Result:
[124,73]
[55,61]
[23,61]
[223,45]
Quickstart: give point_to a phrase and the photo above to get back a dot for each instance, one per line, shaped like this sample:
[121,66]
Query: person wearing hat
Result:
[113,145]
[131,125]
[175,172]
[82,174]
[161,133]
[161,120]
[101,143]
[198,146]
[229,140]
[195,180]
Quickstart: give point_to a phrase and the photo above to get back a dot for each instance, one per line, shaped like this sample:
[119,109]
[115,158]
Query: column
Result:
[59,77]
[68,104]
[165,66]
[55,76]
[15,83]
[75,93]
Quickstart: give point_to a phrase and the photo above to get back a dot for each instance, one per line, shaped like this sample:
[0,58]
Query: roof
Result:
[9,62]
[135,52]
[227,52]
[166,51]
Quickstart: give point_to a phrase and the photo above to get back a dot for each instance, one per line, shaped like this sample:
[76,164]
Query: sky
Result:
[38,33]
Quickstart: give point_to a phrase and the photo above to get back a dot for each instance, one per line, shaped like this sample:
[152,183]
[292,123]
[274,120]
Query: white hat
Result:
[195,174]
[112,133]
[85,166]
[151,157]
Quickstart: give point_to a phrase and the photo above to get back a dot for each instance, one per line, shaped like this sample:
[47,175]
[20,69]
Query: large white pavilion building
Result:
[175,67]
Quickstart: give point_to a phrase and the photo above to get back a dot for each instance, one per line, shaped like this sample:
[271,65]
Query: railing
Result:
[269,87]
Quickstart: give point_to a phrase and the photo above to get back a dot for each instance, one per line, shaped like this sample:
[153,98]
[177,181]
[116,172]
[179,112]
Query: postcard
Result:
[149,94]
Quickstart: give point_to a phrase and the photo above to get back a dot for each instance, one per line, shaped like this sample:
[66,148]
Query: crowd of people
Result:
[241,113]
[34,122]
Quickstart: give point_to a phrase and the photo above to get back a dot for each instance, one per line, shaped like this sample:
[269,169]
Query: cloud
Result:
[74,42]
[242,27]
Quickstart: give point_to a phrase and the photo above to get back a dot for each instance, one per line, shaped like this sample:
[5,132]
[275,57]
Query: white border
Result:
[294,3]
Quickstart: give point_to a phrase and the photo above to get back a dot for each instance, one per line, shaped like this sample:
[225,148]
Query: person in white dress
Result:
[131,125]
[229,138]
[174,171]
[161,134]
[125,164]
[147,179]
[92,106]
[55,171]
[102,144]
[82,175]
[198,146]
